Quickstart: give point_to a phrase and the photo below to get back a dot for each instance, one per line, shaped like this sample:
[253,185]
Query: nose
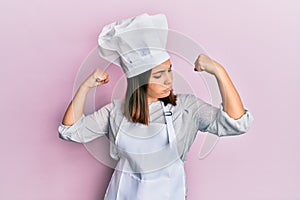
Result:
[168,78]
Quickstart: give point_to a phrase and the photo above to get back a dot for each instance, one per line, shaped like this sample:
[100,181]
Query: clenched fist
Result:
[205,63]
[98,77]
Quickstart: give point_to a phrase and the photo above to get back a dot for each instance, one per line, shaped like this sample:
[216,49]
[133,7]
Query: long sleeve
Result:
[221,124]
[88,127]
[214,120]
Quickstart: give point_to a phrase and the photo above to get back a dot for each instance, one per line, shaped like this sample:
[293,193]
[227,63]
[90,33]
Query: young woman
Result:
[152,129]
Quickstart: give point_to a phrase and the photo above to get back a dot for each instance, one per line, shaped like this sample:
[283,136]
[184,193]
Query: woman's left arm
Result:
[232,103]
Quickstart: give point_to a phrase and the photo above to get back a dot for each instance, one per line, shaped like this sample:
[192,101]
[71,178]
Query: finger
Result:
[97,84]
[106,80]
[103,75]
[199,68]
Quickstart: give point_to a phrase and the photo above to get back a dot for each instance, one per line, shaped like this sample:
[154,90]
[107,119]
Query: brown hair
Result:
[136,107]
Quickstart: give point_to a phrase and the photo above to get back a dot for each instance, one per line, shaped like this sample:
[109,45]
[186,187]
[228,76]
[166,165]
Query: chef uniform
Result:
[149,165]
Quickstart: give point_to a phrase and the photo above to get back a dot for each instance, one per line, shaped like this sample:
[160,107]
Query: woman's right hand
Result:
[98,77]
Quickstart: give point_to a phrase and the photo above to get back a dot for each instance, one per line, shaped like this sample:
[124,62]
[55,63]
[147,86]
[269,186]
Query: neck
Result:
[150,100]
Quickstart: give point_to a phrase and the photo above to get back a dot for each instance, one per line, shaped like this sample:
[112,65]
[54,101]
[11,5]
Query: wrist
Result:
[84,88]
[219,70]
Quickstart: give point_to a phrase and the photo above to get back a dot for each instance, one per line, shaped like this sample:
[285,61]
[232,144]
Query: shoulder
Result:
[188,99]
[190,104]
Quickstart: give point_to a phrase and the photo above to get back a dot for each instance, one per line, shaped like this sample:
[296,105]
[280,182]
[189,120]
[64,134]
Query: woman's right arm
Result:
[76,106]
[81,128]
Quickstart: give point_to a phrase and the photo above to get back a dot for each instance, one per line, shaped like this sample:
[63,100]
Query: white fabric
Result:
[136,44]
[149,167]
[190,115]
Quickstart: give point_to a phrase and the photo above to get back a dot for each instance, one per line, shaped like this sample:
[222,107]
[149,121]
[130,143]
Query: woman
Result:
[152,129]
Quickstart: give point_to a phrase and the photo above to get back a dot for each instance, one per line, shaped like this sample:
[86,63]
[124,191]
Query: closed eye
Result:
[159,72]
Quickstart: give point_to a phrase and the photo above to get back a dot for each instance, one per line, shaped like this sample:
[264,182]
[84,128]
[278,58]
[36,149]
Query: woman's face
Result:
[160,81]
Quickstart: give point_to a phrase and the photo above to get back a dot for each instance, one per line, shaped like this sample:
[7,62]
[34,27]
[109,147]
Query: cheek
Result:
[155,90]
[156,83]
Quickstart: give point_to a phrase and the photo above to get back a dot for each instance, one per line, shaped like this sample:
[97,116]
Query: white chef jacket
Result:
[191,114]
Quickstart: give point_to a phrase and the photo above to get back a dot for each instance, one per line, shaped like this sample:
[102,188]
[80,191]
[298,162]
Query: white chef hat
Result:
[136,44]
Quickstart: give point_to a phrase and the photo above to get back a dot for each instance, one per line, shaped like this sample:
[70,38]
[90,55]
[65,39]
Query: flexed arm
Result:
[76,106]
[231,100]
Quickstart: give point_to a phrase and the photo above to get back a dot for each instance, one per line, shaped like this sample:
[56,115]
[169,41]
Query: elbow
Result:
[233,133]
[236,129]
[238,126]
[63,137]
[68,138]
[63,133]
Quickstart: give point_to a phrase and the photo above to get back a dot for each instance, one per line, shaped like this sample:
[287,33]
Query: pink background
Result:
[43,44]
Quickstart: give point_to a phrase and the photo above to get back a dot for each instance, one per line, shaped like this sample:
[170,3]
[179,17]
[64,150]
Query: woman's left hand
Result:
[205,63]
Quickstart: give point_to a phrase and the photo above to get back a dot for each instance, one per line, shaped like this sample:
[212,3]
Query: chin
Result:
[164,95]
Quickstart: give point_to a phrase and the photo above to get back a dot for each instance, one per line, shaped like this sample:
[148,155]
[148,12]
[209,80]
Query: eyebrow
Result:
[161,70]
